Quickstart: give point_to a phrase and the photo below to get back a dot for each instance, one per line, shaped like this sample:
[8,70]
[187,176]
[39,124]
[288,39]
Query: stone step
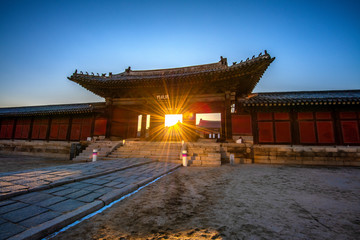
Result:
[148,148]
[155,159]
[146,153]
[142,156]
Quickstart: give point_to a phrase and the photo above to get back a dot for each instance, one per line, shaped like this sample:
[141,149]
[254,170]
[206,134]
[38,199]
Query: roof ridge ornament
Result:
[128,70]
[223,60]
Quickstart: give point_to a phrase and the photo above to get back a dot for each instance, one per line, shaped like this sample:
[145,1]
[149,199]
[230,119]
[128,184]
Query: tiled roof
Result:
[340,97]
[50,109]
[244,75]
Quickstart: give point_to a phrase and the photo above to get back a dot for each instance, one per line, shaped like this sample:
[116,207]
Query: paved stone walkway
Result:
[39,213]
[17,183]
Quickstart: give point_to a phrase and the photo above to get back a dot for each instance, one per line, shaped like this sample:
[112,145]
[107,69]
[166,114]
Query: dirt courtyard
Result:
[235,202]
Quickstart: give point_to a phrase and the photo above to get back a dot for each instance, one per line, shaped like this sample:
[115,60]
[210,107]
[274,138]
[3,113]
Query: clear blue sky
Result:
[316,43]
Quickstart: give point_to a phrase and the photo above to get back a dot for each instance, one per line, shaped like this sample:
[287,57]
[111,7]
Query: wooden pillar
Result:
[14,129]
[228,122]
[31,128]
[337,127]
[143,127]
[254,126]
[109,114]
[295,134]
[48,129]
[92,126]
[68,134]
[223,126]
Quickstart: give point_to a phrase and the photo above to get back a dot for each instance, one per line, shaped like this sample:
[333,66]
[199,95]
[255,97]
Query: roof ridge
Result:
[52,105]
[177,68]
[316,91]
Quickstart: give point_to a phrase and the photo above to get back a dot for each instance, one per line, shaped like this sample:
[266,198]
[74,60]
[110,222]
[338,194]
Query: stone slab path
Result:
[16,183]
[33,215]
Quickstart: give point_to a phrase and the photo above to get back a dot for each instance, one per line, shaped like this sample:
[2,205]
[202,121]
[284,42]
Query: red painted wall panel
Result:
[348,115]
[241,124]
[54,131]
[42,132]
[75,131]
[35,131]
[350,131]
[22,128]
[85,132]
[59,128]
[325,131]
[305,115]
[6,129]
[266,134]
[323,115]
[25,131]
[80,128]
[100,127]
[40,127]
[281,116]
[307,132]
[9,129]
[3,130]
[86,128]
[264,116]
[63,131]
[283,132]
[18,130]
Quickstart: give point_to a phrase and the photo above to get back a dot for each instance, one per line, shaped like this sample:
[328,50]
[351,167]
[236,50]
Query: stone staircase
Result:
[104,148]
[158,151]
[204,154]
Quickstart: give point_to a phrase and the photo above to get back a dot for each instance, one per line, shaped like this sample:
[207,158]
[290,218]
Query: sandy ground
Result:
[235,202]
[12,163]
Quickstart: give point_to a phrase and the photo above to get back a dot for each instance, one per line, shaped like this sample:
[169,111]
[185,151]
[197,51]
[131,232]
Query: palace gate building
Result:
[206,101]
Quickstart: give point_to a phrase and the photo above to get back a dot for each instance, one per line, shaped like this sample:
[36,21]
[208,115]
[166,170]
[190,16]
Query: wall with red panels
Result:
[40,127]
[241,124]
[124,123]
[100,127]
[6,129]
[80,128]
[283,132]
[274,127]
[307,132]
[22,129]
[59,128]
[349,122]
[316,128]
[325,127]
[266,132]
